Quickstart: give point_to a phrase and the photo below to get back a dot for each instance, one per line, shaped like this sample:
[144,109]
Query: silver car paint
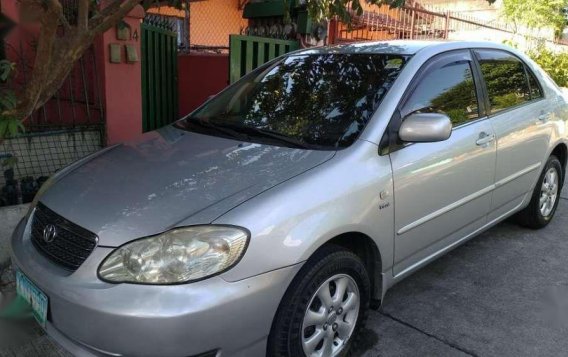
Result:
[425,127]
[143,320]
[441,195]
[170,178]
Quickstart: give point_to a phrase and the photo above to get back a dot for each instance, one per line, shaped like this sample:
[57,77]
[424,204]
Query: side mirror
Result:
[425,128]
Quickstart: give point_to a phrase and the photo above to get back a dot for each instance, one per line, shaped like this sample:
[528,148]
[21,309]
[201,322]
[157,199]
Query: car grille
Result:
[69,247]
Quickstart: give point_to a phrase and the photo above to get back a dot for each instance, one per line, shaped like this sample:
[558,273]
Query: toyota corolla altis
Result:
[269,220]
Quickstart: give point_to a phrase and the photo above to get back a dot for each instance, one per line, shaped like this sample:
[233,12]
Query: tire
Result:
[533,216]
[331,266]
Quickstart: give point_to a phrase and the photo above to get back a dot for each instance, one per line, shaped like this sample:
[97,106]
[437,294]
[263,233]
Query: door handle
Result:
[484,139]
[543,118]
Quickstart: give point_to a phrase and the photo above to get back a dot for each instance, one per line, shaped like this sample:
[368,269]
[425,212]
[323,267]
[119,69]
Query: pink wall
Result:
[200,76]
[121,84]
[69,110]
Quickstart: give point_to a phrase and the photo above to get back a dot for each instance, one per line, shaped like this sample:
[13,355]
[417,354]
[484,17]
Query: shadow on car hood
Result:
[170,178]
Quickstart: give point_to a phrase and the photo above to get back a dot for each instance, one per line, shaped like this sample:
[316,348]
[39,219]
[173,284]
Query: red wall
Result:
[200,76]
[69,110]
[122,84]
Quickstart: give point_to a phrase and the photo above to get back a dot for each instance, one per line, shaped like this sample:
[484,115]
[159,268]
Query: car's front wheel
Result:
[324,307]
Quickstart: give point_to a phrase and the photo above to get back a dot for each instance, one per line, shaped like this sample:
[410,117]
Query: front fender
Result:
[290,222]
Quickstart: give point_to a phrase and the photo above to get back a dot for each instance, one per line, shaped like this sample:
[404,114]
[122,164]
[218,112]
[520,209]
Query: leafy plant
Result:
[325,9]
[9,162]
[6,69]
[10,125]
[555,64]
[537,13]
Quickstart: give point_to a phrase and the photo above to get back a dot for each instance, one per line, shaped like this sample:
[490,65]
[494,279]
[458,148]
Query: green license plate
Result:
[34,296]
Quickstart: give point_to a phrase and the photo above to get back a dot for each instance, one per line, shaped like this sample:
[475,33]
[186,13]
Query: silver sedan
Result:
[270,220]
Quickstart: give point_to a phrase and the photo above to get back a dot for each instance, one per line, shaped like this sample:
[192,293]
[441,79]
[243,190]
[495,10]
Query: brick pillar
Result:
[121,82]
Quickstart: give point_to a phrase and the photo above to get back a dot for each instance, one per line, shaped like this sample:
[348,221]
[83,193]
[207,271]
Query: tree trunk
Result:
[56,55]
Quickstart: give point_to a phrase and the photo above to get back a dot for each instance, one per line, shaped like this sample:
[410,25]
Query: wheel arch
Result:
[368,251]
[561,152]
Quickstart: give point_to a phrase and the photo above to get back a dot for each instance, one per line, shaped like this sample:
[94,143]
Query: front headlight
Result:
[178,256]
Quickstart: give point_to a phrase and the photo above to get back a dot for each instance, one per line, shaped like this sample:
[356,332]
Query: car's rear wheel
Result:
[324,307]
[545,197]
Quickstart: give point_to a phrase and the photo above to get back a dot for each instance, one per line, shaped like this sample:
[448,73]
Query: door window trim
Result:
[389,142]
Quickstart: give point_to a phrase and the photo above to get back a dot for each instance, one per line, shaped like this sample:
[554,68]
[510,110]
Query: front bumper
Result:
[89,316]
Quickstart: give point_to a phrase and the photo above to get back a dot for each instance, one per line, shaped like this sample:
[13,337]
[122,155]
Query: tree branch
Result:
[64,22]
[83,15]
[110,20]
[107,11]
[43,58]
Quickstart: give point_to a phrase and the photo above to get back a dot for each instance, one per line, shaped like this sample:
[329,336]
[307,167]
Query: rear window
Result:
[505,78]
[322,101]
[536,90]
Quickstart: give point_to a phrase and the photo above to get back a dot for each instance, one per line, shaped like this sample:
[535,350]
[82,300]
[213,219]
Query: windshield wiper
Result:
[265,133]
[242,132]
[204,123]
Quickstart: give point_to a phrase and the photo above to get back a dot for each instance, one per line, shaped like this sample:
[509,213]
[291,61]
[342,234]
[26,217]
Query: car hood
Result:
[170,178]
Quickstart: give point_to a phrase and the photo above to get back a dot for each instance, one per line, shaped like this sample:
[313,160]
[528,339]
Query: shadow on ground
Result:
[504,293]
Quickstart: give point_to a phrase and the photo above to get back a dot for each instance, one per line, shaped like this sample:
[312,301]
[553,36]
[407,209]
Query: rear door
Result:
[442,190]
[520,117]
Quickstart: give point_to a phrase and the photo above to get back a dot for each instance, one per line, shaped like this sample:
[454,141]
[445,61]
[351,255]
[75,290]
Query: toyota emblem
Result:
[49,233]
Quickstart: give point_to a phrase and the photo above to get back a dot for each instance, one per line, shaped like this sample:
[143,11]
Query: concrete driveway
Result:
[504,293]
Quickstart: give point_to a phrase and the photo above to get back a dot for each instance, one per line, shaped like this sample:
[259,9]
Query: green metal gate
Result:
[250,52]
[159,73]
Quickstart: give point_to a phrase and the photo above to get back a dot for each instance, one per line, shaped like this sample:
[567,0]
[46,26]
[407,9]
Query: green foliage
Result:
[175,3]
[326,9]
[456,101]
[537,13]
[9,123]
[6,69]
[555,64]
[505,100]
[9,162]
[506,83]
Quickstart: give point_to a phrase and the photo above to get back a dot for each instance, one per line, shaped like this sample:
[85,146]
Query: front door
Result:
[443,190]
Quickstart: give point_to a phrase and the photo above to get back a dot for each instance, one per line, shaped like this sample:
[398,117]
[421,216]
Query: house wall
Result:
[200,76]
[69,110]
[210,22]
[121,83]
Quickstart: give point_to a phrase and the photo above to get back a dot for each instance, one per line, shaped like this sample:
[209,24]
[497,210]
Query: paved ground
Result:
[504,293]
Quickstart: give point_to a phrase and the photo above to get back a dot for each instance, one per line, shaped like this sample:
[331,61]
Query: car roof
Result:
[402,47]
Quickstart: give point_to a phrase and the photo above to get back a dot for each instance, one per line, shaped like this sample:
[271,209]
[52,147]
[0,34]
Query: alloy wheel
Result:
[331,317]
[549,192]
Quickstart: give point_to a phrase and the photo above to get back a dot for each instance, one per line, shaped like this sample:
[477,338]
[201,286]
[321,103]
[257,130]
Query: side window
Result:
[505,78]
[450,90]
[536,90]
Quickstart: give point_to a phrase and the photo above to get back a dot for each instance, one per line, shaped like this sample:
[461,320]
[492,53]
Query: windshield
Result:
[315,101]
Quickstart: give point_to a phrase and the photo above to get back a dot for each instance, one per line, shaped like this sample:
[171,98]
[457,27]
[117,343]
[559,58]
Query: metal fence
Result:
[159,73]
[205,26]
[250,52]
[421,23]
[67,128]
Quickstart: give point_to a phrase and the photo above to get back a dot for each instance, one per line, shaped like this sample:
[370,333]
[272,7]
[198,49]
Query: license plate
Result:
[34,296]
